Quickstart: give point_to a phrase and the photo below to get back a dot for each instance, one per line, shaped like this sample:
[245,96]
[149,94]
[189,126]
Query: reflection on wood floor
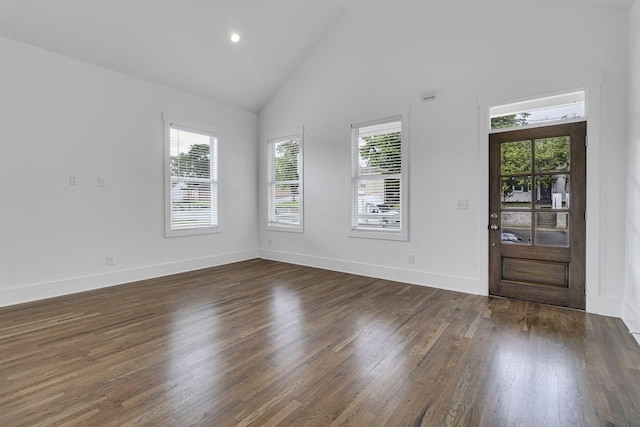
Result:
[264,343]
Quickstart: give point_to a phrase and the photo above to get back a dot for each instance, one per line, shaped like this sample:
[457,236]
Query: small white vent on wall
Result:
[428,95]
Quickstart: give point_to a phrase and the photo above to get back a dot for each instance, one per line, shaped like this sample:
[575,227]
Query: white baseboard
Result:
[631,318]
[44,290]
[606,306]
[603,305]
[453,283]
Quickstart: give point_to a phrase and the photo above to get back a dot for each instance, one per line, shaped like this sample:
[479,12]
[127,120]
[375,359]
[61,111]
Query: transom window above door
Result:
[545,110]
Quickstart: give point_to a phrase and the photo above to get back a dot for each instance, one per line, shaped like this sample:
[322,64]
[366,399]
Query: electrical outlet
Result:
[268,242]
[462,204]
[412,259]
[111,260]
[73,180]
[102,181]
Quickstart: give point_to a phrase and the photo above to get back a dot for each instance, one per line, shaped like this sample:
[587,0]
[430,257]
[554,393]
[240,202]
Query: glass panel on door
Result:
[552,229]
[552,154]
[515,158]
[552,191]
[534,191]
[516,192]
[516,228]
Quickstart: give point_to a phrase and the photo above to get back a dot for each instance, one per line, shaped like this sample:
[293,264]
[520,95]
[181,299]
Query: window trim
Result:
[195,126]
[294,133]
[381,234]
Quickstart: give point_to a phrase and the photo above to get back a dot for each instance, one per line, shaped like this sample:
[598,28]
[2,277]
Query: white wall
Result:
[378,60]
[61,117]
[631,313]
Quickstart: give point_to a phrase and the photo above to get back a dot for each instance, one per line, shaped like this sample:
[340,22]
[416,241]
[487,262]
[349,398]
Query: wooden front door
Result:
[537,203]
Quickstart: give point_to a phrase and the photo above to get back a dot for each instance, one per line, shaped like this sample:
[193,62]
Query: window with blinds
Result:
[285,190]
[192,184]
[378,179]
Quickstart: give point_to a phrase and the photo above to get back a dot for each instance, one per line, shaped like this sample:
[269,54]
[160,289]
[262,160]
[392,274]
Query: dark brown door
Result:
[537,202]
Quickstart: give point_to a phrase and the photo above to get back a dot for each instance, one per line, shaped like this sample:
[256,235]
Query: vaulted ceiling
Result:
[186,44]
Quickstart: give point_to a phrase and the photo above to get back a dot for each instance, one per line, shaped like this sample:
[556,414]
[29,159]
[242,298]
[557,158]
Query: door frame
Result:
[498,95]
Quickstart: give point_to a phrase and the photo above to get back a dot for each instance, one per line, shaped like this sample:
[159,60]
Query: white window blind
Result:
[192,195]
[377,176]
[285,190]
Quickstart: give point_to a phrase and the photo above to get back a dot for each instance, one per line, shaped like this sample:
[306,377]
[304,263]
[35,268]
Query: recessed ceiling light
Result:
[235,37]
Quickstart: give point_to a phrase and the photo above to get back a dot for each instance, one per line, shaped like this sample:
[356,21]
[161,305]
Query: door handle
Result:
[495,227]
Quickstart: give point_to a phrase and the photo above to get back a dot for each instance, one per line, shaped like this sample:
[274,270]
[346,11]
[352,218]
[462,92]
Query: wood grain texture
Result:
[535,271]
[261,343]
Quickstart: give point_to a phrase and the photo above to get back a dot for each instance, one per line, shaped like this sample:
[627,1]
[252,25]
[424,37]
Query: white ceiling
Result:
[185,43]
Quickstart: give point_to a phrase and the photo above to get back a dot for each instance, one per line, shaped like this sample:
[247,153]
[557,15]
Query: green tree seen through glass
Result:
[384,151]
[194,164]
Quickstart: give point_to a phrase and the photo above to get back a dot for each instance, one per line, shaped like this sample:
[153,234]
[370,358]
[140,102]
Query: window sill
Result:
[192,231]
[379,234]
[274,226]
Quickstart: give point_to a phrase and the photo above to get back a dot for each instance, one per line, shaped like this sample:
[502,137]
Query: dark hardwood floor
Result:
[263,343]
